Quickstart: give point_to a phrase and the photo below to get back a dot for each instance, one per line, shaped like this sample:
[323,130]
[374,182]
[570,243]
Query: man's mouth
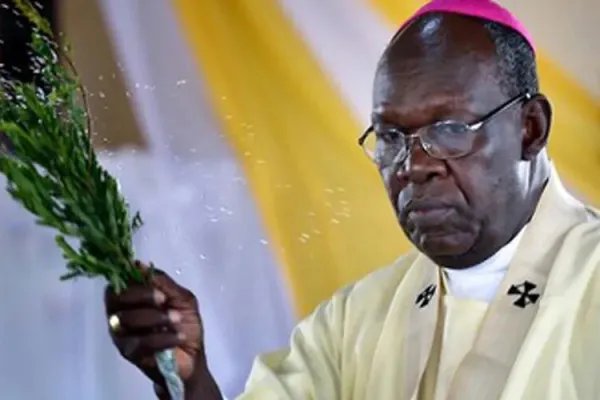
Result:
[430,216]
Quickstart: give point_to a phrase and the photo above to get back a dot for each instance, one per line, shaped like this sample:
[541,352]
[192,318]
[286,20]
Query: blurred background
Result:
[231,126]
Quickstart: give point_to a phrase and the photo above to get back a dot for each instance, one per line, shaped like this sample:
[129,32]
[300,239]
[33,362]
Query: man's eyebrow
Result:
[383,115]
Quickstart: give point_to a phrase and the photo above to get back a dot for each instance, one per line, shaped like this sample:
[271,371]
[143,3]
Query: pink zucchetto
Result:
[484,9]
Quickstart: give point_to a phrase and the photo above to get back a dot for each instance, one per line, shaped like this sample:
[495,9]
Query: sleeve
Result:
[310,367]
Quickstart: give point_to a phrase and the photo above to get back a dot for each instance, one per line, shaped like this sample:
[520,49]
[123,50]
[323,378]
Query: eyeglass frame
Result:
[418,134]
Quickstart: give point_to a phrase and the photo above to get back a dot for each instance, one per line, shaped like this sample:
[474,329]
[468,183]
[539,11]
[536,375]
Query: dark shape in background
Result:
[5,144]
[15,54]
[15,35]
[115,123]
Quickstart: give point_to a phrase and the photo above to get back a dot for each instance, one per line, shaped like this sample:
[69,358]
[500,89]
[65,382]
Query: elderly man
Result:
[501,297]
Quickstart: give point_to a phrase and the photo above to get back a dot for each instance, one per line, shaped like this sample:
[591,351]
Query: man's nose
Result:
[419,167]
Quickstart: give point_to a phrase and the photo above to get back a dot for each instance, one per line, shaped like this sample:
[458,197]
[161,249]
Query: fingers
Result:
[162,291]
[148,309]
[133,298]
[140,347]
[146,320]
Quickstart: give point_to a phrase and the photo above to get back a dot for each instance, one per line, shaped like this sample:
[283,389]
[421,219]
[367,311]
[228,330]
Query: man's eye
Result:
[388,135]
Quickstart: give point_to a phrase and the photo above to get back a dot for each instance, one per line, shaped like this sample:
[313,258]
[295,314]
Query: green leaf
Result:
[53,172]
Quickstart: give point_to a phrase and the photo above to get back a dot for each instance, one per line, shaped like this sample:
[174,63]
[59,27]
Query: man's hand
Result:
[160,316]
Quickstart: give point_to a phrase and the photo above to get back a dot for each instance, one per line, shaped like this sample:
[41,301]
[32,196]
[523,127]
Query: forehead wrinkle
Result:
[456,79]
[443,105]
[418,82]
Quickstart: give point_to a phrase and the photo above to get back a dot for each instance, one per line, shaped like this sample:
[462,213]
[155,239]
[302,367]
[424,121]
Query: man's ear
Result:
[537,119]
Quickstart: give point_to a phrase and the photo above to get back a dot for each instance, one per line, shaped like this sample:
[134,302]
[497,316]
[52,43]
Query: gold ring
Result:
[114,323]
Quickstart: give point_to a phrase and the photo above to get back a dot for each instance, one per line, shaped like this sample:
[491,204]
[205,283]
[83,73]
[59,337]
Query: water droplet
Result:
[100,77]
[177,272]
[181,82]
[101,95]
[263,241]
[335,221]
[226,211]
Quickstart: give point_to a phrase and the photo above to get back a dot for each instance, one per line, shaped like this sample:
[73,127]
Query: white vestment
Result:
[398,335]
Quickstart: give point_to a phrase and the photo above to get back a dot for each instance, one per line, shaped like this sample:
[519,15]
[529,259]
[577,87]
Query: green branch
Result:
[52,170]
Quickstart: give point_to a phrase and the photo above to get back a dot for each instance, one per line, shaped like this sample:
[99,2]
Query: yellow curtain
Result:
[575,138]
[321,200]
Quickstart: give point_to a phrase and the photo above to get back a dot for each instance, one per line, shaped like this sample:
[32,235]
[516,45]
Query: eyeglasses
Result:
[442,140]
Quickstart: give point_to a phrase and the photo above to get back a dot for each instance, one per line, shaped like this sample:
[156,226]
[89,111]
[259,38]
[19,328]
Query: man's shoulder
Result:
[584,238]
[376,290]
[388,276]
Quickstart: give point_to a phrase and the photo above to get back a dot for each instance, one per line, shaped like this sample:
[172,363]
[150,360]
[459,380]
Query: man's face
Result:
[445,70]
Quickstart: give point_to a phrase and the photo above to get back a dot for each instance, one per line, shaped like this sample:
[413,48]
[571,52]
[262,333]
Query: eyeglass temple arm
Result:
[365,135]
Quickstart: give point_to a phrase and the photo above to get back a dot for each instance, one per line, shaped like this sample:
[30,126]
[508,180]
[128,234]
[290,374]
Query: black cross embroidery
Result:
[525,293]
[425,296]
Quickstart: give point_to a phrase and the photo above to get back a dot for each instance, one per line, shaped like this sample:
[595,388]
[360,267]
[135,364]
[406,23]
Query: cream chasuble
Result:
[395,335]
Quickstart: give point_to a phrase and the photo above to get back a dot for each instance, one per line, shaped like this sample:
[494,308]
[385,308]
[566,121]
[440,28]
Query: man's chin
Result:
[445,244]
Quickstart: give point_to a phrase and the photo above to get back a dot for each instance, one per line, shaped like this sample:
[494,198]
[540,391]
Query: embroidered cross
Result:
[525,294]
[425,296]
